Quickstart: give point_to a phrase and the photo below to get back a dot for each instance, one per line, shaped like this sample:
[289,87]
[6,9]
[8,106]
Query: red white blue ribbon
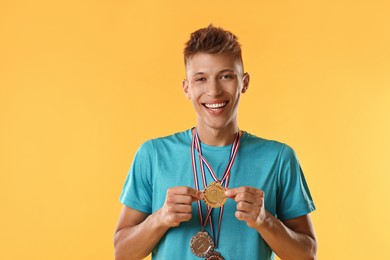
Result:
[224,181]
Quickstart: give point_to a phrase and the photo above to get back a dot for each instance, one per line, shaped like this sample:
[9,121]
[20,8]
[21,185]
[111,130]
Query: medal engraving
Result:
[214,195]
[201,244]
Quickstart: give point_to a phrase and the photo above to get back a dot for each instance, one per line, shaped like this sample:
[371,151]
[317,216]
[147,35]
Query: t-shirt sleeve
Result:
[293,196]
[137,190]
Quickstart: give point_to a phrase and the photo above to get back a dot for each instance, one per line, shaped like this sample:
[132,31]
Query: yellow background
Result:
[84,83]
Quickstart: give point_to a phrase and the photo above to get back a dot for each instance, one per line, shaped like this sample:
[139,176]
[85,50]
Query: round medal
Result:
[201,244]
[214,195]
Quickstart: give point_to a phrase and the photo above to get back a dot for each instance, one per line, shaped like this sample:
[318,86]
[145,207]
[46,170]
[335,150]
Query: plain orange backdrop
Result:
[84,83]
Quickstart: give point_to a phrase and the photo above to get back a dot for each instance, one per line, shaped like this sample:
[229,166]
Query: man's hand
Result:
[250,205]
[177,206]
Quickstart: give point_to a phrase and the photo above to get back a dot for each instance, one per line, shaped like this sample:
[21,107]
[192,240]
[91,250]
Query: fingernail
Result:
[227,193]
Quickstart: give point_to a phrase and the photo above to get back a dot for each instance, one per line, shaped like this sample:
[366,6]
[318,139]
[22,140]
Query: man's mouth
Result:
[215,105]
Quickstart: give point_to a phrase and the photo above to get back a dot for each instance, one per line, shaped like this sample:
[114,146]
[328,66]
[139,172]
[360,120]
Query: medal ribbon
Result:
[196,181]
[226,174]
[224,181]
[195,172]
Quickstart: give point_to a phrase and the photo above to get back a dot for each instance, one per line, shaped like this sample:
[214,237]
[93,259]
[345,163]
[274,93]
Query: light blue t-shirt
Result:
[270,166]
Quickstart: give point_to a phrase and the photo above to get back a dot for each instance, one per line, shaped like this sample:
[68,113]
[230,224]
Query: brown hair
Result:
[212,40]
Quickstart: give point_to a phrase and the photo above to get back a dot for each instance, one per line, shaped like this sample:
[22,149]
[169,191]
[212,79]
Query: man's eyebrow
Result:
[198,73]
[219,72]
[227,70]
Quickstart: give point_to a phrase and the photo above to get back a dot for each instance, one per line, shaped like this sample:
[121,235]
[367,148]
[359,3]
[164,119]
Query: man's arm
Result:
[291,239]
[138,233]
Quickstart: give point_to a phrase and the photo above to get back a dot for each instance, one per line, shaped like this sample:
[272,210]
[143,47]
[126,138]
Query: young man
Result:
[215,192]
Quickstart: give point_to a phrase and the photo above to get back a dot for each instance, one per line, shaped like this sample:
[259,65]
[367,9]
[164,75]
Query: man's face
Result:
[214,84]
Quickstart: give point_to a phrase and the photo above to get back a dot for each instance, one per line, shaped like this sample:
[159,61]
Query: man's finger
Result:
[247,197]
[231,193]
[244,216]
[181,208]
[247,207]
[180,217]
[184,190]
[180,199]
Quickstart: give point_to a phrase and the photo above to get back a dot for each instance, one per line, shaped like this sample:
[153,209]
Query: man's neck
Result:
[217,137]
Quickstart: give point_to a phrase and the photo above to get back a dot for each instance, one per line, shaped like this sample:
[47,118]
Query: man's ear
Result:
[185,88]
[245,80]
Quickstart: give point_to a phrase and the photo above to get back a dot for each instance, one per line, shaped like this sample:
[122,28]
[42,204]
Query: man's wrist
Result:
[158,221]
[265,222]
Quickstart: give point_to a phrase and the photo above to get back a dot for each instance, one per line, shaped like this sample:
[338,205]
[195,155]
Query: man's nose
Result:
[214,88]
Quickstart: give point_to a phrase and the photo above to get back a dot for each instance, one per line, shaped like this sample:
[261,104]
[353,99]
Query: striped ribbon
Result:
[224,181]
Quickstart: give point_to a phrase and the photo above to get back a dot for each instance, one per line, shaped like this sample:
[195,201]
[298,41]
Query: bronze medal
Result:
[201,244]
[214,256]
[214,195]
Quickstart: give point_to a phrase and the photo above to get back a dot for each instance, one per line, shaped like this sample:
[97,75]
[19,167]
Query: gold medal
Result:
[201,244]
[214,195]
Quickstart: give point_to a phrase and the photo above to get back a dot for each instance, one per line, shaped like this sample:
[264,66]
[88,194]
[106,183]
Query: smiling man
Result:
[215,191]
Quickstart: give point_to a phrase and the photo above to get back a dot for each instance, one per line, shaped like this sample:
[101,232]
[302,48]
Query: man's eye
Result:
[227,76]
[200,79]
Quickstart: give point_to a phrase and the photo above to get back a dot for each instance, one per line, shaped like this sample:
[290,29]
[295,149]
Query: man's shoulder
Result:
[183,137]
[267,146]
[254,140]
[164,145]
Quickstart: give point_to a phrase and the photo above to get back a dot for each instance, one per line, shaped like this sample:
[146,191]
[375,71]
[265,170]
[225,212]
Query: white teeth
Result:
[216,105]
